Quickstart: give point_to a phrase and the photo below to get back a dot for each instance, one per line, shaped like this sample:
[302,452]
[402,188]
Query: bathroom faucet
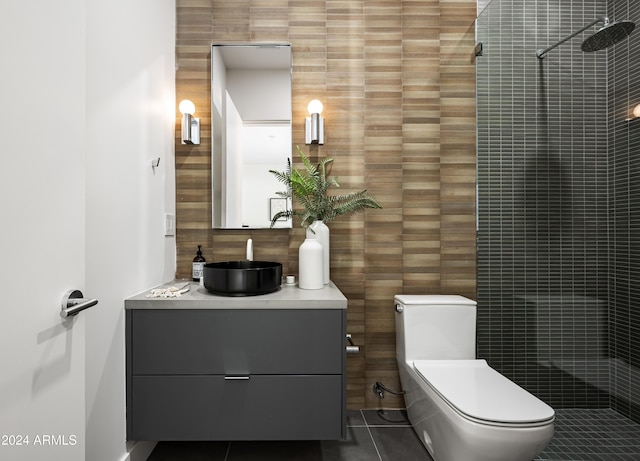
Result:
[249,250]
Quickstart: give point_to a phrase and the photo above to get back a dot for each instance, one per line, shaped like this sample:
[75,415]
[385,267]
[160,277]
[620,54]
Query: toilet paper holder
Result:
[351,348]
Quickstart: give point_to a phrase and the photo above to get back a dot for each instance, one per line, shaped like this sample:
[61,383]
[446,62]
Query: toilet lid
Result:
[478,391]
[433,299]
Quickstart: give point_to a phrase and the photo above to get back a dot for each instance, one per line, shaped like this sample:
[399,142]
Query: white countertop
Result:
[288,297]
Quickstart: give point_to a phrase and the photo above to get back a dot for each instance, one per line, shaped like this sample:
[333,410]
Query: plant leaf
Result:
[309,186]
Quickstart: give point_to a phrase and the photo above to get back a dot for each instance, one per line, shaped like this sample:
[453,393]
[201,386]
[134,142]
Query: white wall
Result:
[232,167]
[130,120]
[88,101]
[271,89]
[266,146]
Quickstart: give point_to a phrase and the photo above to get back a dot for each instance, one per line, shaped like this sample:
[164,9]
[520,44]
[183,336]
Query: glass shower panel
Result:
[542,202]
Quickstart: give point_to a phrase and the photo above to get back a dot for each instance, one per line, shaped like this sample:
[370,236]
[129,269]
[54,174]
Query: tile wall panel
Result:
[396,77]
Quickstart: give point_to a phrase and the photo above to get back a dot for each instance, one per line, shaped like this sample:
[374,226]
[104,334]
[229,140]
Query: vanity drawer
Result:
[213,408]
[242,341]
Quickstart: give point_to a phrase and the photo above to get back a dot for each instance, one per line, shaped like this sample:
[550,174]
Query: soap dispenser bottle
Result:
[198,265]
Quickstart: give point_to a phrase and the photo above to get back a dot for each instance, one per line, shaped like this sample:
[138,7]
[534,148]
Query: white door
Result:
[42,238]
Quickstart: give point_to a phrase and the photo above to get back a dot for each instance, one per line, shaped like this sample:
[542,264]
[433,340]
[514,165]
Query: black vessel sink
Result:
[242,278]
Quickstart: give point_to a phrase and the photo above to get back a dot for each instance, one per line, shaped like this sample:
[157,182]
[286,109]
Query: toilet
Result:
[460,407]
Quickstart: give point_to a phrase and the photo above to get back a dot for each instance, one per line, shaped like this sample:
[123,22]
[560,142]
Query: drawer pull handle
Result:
[236,378]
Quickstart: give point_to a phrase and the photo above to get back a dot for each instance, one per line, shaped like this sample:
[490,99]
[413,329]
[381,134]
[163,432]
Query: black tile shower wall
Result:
[542,201]
[624,205]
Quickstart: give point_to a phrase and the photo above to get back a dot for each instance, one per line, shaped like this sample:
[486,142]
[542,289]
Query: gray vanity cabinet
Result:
[235,374]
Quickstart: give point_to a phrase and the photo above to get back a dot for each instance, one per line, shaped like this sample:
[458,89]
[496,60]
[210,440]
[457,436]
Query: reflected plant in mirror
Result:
[309,186]
[250,133]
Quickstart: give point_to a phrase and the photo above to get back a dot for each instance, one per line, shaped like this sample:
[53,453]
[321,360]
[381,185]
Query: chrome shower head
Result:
[609,34]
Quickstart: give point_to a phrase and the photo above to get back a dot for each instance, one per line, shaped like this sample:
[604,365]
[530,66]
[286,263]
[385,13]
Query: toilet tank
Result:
[435,327]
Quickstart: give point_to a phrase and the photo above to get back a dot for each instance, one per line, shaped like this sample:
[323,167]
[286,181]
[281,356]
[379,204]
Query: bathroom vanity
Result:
[207,367]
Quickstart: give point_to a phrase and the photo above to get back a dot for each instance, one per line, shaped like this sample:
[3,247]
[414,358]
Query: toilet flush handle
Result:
[399,307]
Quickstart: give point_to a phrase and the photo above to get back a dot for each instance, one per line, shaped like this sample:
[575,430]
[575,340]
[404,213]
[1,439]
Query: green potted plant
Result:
[309,186]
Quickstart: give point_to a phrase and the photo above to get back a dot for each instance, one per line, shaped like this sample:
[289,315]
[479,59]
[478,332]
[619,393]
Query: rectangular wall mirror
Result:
[250,134]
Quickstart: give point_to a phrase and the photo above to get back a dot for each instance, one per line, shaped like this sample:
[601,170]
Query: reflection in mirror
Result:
[251,133]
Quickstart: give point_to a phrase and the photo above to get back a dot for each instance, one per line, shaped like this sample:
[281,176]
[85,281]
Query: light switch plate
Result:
[169,225]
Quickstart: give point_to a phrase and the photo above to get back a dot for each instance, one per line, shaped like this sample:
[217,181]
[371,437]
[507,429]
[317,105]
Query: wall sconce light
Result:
[190,125]
[314,125]
[636,112]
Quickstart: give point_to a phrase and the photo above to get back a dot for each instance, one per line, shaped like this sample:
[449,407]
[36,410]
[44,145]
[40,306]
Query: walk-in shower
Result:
[558,200]
[609,34]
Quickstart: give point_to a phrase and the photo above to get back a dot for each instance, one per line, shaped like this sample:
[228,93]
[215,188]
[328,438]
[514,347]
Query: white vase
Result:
[323,235]
[310,261]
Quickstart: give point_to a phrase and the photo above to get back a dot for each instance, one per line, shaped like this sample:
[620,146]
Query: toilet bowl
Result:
[460,407]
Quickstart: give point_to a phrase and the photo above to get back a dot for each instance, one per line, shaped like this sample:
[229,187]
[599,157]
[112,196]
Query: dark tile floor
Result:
[374,435]
[593,435]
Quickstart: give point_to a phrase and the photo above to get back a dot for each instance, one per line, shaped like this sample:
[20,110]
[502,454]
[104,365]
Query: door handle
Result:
[74,302]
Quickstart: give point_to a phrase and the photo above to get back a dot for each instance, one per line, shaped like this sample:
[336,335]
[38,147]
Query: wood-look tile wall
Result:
[397,79]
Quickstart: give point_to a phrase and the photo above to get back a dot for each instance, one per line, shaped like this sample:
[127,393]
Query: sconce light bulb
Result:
[636,111]
[187,107]
[315,107]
